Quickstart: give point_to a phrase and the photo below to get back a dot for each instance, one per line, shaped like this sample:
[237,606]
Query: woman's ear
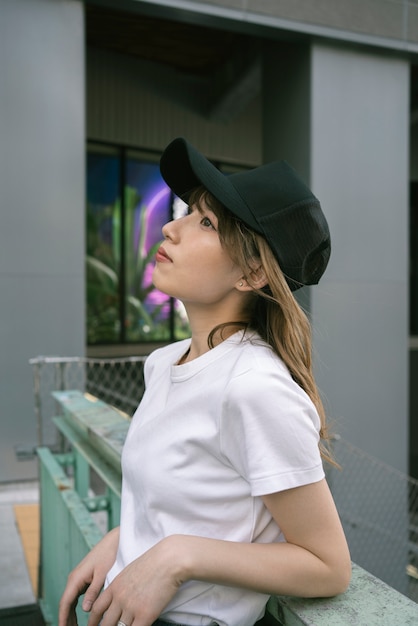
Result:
[258,277]
[256,280]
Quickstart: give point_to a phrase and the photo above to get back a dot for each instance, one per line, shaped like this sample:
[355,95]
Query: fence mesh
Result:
[118,382]
[378,505]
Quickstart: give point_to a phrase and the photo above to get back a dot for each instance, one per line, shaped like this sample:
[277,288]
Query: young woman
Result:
[224,500]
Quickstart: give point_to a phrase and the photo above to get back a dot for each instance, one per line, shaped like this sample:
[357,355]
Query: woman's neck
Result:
[203,343]
[203,321]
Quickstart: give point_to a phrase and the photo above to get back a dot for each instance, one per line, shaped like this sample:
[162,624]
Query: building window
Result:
[127,205]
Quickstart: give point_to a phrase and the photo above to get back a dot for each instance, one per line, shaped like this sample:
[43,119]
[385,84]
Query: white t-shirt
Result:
[209,438]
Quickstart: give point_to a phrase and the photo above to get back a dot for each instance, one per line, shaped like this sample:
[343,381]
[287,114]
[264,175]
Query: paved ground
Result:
[15,585]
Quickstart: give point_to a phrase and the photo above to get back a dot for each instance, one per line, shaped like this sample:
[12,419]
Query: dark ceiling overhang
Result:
[212,71]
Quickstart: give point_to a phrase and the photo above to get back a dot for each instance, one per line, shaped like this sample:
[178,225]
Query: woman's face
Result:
[191,264]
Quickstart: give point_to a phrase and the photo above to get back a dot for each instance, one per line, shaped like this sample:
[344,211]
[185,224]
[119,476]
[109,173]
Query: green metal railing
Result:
[92,435]
[68,532]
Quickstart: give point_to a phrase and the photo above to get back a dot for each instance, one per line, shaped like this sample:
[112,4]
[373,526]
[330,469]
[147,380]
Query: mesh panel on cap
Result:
[298,238]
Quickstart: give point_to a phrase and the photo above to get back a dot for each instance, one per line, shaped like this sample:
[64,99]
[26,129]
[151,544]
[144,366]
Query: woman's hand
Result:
[141,591]
[88,577]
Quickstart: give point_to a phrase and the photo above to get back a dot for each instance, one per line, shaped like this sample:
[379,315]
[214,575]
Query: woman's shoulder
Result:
[255,354]
[258,367]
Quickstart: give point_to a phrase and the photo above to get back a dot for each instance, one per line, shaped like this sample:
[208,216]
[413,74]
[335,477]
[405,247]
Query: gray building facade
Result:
[325,84]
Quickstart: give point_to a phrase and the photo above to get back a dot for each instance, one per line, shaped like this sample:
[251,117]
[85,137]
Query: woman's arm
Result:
[88,577]
[315,561]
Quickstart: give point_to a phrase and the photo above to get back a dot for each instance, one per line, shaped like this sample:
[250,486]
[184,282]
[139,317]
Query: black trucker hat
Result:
[270,199]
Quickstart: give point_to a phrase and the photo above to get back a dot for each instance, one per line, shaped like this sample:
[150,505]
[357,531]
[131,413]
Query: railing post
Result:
[67,533]
[81,474]
[114,509]
[37,396]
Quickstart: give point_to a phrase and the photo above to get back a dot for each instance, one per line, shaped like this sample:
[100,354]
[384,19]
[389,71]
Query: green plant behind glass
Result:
[142,323]
[102,273]
[103,269]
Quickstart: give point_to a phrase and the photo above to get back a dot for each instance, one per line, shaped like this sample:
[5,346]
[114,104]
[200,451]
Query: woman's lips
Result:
[162,256]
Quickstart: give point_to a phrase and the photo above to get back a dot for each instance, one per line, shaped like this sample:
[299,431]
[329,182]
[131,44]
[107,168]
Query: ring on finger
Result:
[120,623]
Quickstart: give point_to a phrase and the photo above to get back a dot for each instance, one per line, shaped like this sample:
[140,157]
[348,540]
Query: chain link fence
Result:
[118,381]
[378,505]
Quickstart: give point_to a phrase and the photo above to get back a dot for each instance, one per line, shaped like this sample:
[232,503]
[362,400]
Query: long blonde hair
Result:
[272,310]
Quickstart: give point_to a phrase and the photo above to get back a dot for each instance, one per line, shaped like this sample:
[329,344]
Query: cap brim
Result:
[184,168]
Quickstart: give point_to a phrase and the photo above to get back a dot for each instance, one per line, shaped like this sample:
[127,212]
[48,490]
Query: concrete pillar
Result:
[349,138]
[360,127]
[42,205]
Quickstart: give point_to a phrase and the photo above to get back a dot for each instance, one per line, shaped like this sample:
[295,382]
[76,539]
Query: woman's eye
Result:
[205,221]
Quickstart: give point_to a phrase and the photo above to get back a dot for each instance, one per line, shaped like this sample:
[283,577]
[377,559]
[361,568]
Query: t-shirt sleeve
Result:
[270,429]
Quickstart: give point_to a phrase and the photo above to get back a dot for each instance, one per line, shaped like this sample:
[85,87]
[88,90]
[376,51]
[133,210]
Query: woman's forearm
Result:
[315,560]
[280,568]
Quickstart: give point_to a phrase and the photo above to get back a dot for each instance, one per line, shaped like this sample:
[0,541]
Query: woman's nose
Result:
[168,230]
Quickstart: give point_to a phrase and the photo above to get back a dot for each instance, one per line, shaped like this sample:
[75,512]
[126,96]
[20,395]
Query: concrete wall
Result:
[42,205]
[360,128]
